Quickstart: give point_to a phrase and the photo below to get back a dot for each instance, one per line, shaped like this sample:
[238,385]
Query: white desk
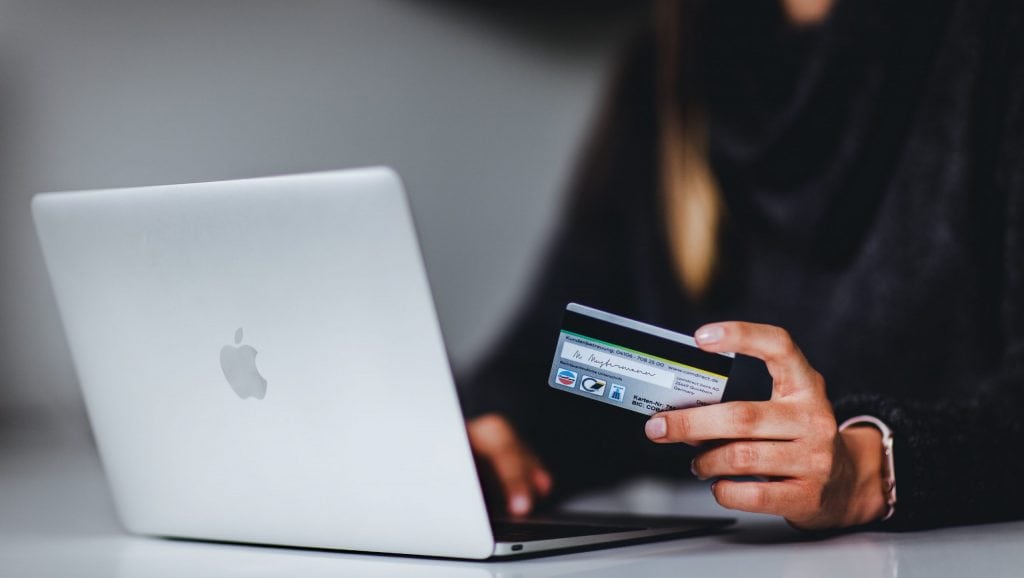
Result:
[56,519]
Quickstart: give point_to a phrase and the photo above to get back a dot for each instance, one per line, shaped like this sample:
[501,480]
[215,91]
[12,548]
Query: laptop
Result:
[261,362]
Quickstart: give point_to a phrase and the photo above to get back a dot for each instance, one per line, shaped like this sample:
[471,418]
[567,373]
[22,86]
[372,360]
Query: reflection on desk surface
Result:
[56,519]
[979,551]
[151,558]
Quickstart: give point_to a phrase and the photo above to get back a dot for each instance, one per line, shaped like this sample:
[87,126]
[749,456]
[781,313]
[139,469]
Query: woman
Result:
[845,177]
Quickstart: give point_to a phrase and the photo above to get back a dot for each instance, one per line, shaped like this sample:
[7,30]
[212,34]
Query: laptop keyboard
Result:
[510,531]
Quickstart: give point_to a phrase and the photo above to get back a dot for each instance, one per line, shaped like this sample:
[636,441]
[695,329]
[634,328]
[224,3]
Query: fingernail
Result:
[519,505]
[693,467]
[713,484]
[656,428]
[710,334]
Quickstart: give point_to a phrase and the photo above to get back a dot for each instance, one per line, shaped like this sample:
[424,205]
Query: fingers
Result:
[516,476]
[783,498]
[734,420]
[519,473]
[789,442]
[758,458]
[766,342]
[785,361]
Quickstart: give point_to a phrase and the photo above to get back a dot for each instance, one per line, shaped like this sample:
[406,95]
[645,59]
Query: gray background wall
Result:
[481,108]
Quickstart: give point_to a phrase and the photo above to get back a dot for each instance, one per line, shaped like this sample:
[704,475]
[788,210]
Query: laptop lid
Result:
[261,362]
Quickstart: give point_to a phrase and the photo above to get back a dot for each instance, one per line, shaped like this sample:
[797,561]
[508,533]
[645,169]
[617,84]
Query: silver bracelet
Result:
[889,467]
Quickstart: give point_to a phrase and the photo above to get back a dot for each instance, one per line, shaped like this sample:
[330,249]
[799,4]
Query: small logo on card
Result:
[592,385]
[616,392]
[566,377]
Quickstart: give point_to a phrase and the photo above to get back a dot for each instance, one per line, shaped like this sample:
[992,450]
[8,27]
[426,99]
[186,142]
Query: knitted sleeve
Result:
[962,460]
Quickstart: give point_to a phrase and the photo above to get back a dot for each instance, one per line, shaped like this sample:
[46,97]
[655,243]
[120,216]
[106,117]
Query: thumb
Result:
[786,363]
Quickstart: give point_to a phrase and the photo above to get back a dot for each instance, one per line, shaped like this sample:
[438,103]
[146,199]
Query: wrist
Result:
[868,493]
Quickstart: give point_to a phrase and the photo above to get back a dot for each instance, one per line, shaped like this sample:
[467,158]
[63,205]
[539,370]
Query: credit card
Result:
[633,365]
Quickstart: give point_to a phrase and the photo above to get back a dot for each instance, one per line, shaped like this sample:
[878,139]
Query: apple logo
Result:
[239,365]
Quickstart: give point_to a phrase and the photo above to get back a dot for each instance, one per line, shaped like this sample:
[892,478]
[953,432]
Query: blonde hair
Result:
[691,199]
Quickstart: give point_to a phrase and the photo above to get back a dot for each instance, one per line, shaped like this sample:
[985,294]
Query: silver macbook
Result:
[261,362]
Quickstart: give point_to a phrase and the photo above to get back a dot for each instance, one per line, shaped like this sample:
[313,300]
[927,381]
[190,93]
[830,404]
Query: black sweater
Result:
[873,173]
